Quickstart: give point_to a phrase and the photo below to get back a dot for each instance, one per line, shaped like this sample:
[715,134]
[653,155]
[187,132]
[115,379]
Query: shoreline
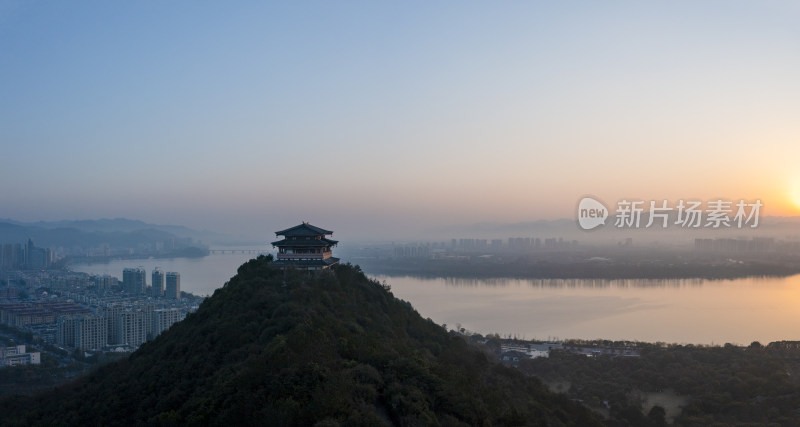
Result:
[580,271]
[109,259]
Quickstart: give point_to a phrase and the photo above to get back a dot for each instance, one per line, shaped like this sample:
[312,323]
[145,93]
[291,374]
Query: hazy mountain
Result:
[122,225]
[332,349]
[72,237]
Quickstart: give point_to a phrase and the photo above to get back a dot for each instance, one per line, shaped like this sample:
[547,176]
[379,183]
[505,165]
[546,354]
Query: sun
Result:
[794,196]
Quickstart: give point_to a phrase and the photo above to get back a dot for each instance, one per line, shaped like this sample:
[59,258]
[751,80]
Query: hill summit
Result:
[330,349]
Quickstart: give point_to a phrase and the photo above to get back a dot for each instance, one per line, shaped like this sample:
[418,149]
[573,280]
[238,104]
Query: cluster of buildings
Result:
[134,282]
[93,313]
[754,245]
[513,244]
[20,315]
[162,246]
[514,351]
[116,328]
[104,324]
[479,246]
[15,256]
[78,311]
[16,356]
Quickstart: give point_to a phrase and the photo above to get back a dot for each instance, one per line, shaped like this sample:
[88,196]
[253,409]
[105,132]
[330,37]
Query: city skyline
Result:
[392,118]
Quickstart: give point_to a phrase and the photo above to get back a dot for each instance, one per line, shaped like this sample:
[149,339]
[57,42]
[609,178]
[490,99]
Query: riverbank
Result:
[583,269]
[192,252]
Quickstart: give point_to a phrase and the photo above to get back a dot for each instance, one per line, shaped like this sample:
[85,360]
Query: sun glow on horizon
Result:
[794,196]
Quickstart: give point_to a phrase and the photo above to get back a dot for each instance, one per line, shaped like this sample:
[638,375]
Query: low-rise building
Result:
[16,356]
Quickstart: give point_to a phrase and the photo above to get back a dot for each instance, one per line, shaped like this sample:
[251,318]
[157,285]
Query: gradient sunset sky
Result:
[373,118]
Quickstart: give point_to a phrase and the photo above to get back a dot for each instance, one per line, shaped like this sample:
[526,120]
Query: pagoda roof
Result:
[308,243]
[304,229]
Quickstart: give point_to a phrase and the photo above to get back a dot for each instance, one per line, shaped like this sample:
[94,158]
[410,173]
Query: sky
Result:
[392,118]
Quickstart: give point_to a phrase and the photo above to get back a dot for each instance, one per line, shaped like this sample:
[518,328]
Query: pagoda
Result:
[305,247]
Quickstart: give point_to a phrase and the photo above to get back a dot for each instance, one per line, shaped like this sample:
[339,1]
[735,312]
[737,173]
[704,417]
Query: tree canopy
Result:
[291,348]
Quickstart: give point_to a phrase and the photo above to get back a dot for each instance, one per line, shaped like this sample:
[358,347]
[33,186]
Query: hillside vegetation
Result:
[336,348]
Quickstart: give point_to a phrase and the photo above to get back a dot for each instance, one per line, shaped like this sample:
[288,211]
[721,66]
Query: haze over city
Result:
[381,120]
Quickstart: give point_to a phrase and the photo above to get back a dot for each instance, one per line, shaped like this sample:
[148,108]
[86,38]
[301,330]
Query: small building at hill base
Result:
[305,247]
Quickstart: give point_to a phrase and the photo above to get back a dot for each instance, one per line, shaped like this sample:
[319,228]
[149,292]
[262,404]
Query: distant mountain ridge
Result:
[110,225]
[116,234]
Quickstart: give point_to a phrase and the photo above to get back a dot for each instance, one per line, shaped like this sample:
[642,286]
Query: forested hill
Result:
[333,349]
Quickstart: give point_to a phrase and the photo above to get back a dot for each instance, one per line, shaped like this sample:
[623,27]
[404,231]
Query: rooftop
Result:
[304,229]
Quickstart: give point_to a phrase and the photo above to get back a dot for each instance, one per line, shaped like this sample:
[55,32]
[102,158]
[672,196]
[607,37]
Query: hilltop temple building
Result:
[305,247]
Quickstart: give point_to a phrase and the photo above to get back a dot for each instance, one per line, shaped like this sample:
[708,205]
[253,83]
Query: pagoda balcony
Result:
[324,255]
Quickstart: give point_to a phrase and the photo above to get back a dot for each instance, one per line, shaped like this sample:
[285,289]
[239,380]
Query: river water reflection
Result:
[682,311]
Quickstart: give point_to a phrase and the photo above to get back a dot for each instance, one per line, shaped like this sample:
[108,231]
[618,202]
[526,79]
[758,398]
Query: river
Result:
[200,276]
[737,311]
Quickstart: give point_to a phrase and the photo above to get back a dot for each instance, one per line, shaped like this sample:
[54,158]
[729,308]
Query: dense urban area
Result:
[66,320]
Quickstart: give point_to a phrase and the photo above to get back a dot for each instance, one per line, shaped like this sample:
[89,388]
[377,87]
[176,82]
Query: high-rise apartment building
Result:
[173,290]
[88,332]
[157,289]
[134,280]
[132,328]
[164,318]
